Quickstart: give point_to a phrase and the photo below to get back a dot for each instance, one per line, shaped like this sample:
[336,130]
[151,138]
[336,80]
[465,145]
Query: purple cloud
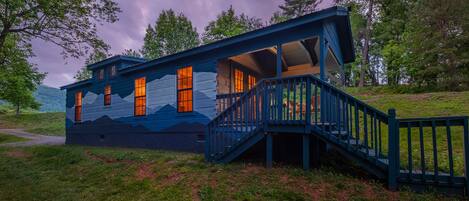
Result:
[129,31]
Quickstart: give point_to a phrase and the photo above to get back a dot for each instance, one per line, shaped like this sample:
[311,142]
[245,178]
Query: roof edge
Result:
[77,84]
[115,59]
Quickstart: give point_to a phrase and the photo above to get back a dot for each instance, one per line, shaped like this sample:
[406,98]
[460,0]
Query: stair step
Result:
[353,142]
[340,133]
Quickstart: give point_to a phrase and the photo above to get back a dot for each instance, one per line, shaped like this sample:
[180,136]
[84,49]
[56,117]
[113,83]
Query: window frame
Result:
[107,95]
[144,96]
[252,80]
[237,81]
[191,89]
[78,106]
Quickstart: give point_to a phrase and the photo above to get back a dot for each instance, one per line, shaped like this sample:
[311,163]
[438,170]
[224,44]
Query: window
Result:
[251,81]
[140,97]
[184,89]
[101,74]
[78,96]
[113,71]
[239,80]
[107,95]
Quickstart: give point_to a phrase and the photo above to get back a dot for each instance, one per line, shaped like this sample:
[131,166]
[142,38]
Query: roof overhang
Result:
[115,59]
[338,14]
[77,84]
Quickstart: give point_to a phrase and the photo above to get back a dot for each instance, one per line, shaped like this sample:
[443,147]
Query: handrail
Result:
[358,127]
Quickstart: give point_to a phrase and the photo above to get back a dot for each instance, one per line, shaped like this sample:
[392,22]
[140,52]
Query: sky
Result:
[129,31]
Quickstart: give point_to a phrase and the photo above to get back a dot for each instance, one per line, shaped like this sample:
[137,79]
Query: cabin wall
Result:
[162,127]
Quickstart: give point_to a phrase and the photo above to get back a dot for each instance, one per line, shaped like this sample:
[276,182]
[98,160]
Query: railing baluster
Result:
[357,125]
[409,150]
[365,129]
[422,152]
[435,152]
[450,150]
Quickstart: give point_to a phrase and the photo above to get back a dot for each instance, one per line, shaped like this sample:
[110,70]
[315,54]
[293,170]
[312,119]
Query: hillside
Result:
[51,99]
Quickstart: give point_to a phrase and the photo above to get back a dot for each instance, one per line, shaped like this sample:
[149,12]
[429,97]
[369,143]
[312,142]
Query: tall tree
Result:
[131,52]
[18,78]
[70,24]
[229,24]
[438,40]
[294,8]
[389,34]
[366,42]
[84,73]
[172,33]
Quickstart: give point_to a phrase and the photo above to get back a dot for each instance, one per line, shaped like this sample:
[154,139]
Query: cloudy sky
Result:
[129,31]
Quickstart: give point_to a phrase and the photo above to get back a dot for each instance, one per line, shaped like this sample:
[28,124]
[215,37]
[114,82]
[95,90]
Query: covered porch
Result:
[310,56]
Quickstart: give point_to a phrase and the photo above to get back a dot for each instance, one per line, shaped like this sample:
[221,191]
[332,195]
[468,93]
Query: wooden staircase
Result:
[418,152]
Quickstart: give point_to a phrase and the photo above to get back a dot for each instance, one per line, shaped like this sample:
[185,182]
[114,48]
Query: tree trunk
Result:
[18,110]
[366,46]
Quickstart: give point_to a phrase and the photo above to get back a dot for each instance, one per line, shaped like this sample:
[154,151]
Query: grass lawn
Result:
[88,173]
[5,138]
[40,123]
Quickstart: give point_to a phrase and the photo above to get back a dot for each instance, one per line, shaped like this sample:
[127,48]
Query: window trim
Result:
[78,115]
[239,81]
[137,97]
[107,97]
[185,89]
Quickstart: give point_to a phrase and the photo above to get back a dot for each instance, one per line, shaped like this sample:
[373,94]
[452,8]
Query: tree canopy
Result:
[70,24]
[18,78]
[229,24]
[171,33]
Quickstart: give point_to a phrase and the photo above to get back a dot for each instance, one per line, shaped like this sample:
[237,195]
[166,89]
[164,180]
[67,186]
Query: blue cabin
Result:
[266,94]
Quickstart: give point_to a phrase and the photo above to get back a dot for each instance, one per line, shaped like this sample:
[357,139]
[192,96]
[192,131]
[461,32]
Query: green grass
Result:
[5,138]
[40,123]
[88,173]
[416,105]
[423,105]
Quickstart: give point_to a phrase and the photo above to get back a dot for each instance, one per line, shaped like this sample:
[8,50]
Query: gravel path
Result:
[34,139]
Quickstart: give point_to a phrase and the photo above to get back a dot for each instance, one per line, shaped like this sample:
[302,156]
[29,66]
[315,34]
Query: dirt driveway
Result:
[34,139]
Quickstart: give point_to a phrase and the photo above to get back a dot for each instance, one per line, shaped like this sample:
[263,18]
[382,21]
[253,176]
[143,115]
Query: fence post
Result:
[393,150]
[466,155]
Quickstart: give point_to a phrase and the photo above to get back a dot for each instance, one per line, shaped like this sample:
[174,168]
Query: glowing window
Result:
[107,95]
[140,97]
[251,81]
[184,89]
[78,97]
[238,80]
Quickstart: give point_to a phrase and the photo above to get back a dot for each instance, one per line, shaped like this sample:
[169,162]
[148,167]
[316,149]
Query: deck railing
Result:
[433,150]
[407,149]
[225,100]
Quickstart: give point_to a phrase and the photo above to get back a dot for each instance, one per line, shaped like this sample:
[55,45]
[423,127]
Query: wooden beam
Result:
[306,142]
[268,151]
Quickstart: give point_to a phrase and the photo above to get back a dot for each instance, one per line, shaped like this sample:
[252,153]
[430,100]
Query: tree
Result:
[131,52]
[294,8]
[172,33]
[18,78]
[437,38]
[229,24]
[84,73]
[70,24]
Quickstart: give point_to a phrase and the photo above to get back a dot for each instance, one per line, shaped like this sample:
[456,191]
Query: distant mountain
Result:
[51,99]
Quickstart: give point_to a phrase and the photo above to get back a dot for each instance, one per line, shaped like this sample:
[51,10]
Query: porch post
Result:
[279,61]
[268,151]
[322,57]
[306,152]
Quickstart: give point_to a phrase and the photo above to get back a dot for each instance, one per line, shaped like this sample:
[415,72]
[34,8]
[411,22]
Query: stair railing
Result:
[236,123]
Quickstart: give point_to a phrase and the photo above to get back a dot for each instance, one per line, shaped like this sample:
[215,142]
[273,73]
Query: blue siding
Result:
[163,126]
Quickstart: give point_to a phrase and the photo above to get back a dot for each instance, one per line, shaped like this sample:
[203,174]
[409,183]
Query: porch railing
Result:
[425,150]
